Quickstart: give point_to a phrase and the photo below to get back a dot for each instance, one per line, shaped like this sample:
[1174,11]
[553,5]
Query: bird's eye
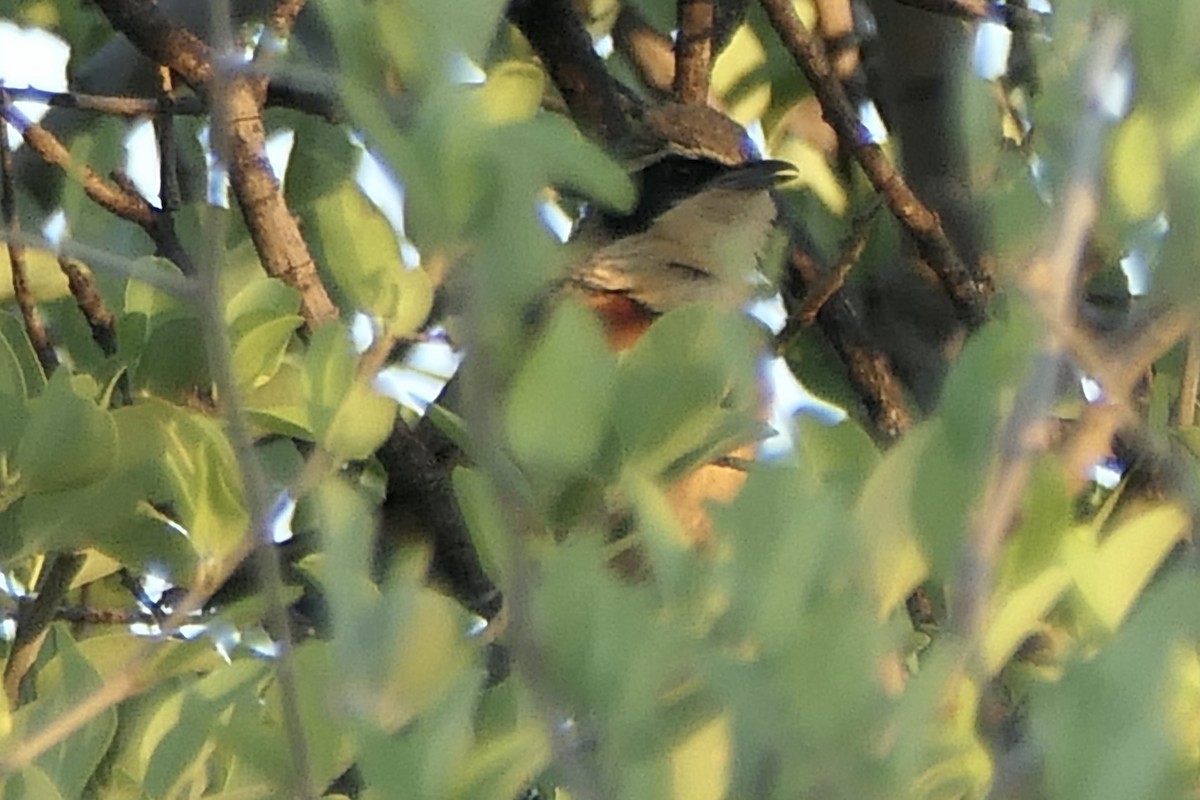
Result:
[689,272]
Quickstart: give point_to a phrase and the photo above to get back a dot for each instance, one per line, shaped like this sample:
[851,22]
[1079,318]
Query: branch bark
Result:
[922,224]
[693,51]
[242,142]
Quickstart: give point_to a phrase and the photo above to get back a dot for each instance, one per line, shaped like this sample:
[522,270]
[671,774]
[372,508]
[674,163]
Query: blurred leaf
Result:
[64,683]
[258,352]
[707,358]
[1111,576]
[739,77]
[280,405]
[558,405]
[840,456]
[354,243]
[949,759]
[607,656]
[31,783]
[349,418]
[20,373]
[884,511]
[172,363]
[1102,729]
[175,745]
[1136,167]
[68,440]
[700,766]
[513,92]
[259,301]
[502,767]
[1017,613]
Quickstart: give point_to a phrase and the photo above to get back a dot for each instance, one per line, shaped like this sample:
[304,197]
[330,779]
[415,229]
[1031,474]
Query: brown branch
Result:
[283,92]
[593,96]
[87,297]
[33,621]
[867,368]
[241,140]
[818,294]
[118,197]
[1050,284]
[35,327]
[922,224]
[107,195]
[98,616]
[168,153]
[693,51]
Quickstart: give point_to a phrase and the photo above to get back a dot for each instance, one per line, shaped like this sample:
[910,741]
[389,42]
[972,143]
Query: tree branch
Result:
[241,139]
[968,295]
[593,97]
[34,618]
[693,51]
[1050,284]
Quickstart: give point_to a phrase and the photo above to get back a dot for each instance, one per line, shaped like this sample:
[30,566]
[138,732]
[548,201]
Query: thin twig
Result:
[818,294]
[1051,286]
[922,224]
[91,304]
[1190,381]
[33,621]
[35,327]
[115,197]
[867,368]
[241,139]
[693,51]
[309,91]
[237,103]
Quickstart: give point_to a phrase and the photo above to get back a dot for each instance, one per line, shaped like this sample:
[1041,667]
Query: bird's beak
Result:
[755,175]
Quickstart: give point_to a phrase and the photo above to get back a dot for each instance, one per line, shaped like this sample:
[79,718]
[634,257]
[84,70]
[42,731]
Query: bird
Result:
[702,226]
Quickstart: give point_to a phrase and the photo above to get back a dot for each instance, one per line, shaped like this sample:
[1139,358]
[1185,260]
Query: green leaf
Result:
[1104,730]
[280,405]
[68,441]
[175,746]
[31,783]
[143,295]
[707,359]
[405,307]
[20,373]
[1136,166]
[258,352]
[354,243]
[840,456]
[885,510]
[1018,613]
[66,681]
[1111,576]
[557,409]
[260,300]
[349,418]
[513,92]
[172,362]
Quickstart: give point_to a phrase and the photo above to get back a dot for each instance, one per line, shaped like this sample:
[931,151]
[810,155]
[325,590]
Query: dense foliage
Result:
[962,610]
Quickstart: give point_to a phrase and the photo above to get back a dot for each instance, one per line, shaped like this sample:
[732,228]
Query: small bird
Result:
[703,224]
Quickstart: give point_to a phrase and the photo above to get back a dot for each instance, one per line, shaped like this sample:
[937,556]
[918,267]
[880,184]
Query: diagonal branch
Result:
[593,96]
[242,141]
[693,51]
[922,224]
